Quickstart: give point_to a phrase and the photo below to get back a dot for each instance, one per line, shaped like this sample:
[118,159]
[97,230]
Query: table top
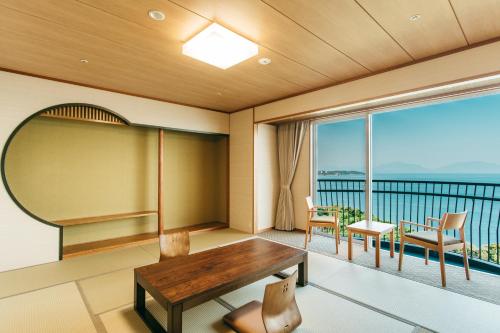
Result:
[213,272]
[372,227]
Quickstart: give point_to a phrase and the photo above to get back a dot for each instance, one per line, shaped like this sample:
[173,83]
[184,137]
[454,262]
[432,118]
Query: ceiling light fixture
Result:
[156,15]
[219,47]
[415,17]
[84,61]
[264,61]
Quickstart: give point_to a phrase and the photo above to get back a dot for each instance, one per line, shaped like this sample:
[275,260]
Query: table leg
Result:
[377,251]
[392,243]
[303,269]
[349,244]
[366,243]
[139,298]
[174,318]
[142,311]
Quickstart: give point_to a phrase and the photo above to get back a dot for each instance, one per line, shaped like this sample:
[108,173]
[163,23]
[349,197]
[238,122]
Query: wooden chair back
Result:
[310,203]
[174,244]
[453,220]
[280,312]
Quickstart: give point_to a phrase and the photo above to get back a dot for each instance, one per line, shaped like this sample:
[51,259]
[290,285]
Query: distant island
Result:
[339,173]
[476,167]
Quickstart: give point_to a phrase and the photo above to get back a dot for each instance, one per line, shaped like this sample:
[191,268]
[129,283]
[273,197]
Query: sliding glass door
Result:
[340,168]
[426,160]
[439,158]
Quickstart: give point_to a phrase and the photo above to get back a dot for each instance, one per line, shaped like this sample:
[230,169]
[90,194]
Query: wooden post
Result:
[160,182]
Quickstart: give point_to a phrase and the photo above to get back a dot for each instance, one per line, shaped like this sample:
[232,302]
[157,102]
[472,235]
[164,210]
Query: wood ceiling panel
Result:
[346,26]
[38,42]
[281,68]
[35,54]
[436,31]
[179,24]
[166,44]
[480,19]
[135,58]
[312,43]
[267,27]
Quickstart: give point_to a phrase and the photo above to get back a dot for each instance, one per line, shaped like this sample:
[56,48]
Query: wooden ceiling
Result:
[312,43]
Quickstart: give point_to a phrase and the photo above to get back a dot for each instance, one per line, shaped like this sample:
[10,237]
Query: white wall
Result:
[266,176]
[25,241]
[478,61]
[241,181]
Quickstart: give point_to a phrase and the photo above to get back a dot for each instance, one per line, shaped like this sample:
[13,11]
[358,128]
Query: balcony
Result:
[395,200]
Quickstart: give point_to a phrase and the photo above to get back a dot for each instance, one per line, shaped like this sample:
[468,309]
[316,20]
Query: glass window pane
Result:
[340,168]
[438,158]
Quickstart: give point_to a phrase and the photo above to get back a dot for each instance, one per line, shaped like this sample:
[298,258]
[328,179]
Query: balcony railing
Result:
[395,200]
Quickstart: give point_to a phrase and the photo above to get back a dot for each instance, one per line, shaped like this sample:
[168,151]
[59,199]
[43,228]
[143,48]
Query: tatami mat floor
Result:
[483,286]
[94,293]
[54,309]
[324,312]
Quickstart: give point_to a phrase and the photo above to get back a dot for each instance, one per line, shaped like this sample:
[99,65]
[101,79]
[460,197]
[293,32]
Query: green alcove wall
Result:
[62,169]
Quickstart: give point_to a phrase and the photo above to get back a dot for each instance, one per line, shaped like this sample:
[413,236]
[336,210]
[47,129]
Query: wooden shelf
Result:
[127,241]
[103,218]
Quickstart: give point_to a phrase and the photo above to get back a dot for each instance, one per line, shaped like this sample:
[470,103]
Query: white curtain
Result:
[290,138]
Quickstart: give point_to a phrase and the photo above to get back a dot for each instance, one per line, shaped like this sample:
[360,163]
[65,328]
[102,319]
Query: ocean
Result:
[394,201]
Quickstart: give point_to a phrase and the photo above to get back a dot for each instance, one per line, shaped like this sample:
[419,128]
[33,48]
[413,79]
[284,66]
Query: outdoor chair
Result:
[326,221]
[434,238]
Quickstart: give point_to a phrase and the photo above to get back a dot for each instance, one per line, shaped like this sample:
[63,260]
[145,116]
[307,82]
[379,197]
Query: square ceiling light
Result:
[219,47]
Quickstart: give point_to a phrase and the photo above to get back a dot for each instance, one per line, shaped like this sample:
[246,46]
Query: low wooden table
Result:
[375,229]
[181,283]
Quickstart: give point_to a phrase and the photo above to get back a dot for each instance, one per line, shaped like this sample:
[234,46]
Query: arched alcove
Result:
[85,169]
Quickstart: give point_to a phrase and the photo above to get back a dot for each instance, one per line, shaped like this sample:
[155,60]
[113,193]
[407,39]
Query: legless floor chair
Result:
[278,313]
[174,244]
[326,221]
[435,239]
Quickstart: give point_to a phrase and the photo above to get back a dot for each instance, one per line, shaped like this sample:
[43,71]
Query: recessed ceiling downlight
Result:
[84,61]
[415,17]
[264,61]
[156,15]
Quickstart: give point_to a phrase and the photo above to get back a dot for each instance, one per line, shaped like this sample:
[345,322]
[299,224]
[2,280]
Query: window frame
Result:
[367,115]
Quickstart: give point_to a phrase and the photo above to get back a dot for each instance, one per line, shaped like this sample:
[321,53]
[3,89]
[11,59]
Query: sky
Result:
[433,137]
